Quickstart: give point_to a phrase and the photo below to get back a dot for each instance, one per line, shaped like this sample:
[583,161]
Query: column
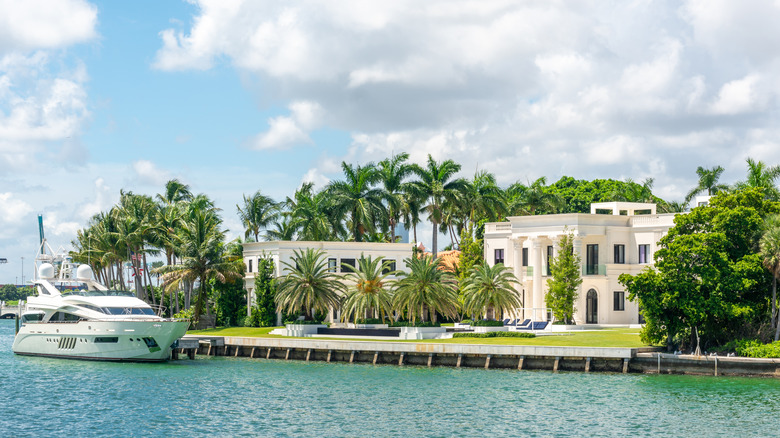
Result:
[538,295]
[519,270]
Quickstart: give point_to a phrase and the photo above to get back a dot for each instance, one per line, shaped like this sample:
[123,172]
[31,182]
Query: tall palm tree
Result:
[175,192]
[490,287]
[762,176]
[369,290]
[393,171]
[425,287]
[438,185]
[708,181]
[311,214]
[769,246]
[483,199]
[201,242]
[307,285]
[356,199]
[411,205]
[258,212]
[284,229]
[632,191]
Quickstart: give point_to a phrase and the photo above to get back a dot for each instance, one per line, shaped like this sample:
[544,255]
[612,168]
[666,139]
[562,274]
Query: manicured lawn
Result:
[599,338]
[249,332]
[623,337]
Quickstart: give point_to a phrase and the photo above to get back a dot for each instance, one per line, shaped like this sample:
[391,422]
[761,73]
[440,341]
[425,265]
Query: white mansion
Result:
[615,238]
[338,255]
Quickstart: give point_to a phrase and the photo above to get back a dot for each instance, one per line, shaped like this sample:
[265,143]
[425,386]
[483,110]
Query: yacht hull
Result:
[123,340]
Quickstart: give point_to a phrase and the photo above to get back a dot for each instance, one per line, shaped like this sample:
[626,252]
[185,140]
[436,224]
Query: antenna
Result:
[40,230]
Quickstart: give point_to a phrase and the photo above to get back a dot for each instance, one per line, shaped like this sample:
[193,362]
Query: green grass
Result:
[624,337]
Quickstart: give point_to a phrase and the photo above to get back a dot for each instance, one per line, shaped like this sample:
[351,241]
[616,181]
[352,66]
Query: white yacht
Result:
[75,317]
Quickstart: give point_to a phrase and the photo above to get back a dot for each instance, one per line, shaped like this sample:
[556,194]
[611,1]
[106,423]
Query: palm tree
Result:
[369,290]
[355,197]
[708,180]
[425,286]
[201,242]
[762,176]
[490,287]
[483,199]
[175,192]
[411,204]
[392,173]
[534,198]
[769,246]
[635,192]
[308,286]
[438,186]
[310,212]
[258,212]
[285,229]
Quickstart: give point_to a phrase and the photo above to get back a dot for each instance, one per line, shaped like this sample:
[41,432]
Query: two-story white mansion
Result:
[615,238]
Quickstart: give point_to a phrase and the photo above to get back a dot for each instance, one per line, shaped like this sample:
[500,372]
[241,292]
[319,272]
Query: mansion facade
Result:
[615,238]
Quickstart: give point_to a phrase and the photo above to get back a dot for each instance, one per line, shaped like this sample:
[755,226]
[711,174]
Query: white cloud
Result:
[12,211]
[45,24]
[149,173]
[287,131]
[523,89]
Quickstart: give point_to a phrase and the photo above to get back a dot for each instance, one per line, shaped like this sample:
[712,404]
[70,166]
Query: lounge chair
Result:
[506,321]
[540,325]
[526,325]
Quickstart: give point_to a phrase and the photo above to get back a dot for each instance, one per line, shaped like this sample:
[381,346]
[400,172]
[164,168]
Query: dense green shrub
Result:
[369,321]
[466,321]
[304,321]
[415,324]
[487,323]
[751,348]
[494,335]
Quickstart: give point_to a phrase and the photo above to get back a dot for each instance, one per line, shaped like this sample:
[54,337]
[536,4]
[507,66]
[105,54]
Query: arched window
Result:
[592,307]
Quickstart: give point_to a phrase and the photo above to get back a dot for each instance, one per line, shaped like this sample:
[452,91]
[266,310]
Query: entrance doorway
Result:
[592,307]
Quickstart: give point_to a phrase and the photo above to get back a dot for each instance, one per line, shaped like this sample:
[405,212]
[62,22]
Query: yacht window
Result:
[106,339]
[64,317]
[32,317]
[91,307]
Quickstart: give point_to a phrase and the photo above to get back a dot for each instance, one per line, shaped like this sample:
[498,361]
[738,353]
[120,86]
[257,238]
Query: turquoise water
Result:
[257,397]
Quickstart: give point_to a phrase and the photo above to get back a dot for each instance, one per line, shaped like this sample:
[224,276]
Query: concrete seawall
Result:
[523,357]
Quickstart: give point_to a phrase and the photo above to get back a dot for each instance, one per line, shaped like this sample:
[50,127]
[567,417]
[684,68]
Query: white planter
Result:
[302,330]
[422,332]
[462,325]
[490,329]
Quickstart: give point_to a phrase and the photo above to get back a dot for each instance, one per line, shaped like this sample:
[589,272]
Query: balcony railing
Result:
[594,270]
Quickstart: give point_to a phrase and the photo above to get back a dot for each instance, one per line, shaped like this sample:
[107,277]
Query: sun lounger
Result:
[507,321]
[540,325]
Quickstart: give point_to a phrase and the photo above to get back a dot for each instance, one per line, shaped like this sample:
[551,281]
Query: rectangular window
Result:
[644,253]
[388,267]
[347,265]
[592,260]
[620,300]
[332,265]
[525,256]
[250,266]
[499,256]
[620,254]
[106,339]
[549,260]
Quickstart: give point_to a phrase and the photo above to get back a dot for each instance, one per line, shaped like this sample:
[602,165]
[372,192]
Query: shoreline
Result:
[647,360]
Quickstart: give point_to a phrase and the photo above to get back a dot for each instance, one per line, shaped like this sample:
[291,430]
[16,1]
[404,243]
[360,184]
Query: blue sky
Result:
[232,96]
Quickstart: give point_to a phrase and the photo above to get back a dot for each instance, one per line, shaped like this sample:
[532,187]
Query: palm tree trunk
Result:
[435,240]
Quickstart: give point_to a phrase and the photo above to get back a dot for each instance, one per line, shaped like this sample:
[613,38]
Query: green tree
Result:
[708,181]
[535,198]
[264,309]
[369,290]
[311,214]
[307,285]
[490,288]
[258,212]
[425,288]
[230,307]
[393,171]
[708,275]
[762,176]
[438,186]
[770,253]
[565,280]
[356,198]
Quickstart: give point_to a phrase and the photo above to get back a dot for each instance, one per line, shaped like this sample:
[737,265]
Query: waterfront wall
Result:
[523,357]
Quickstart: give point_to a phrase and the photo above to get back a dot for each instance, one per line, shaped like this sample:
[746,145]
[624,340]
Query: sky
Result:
[233,96]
